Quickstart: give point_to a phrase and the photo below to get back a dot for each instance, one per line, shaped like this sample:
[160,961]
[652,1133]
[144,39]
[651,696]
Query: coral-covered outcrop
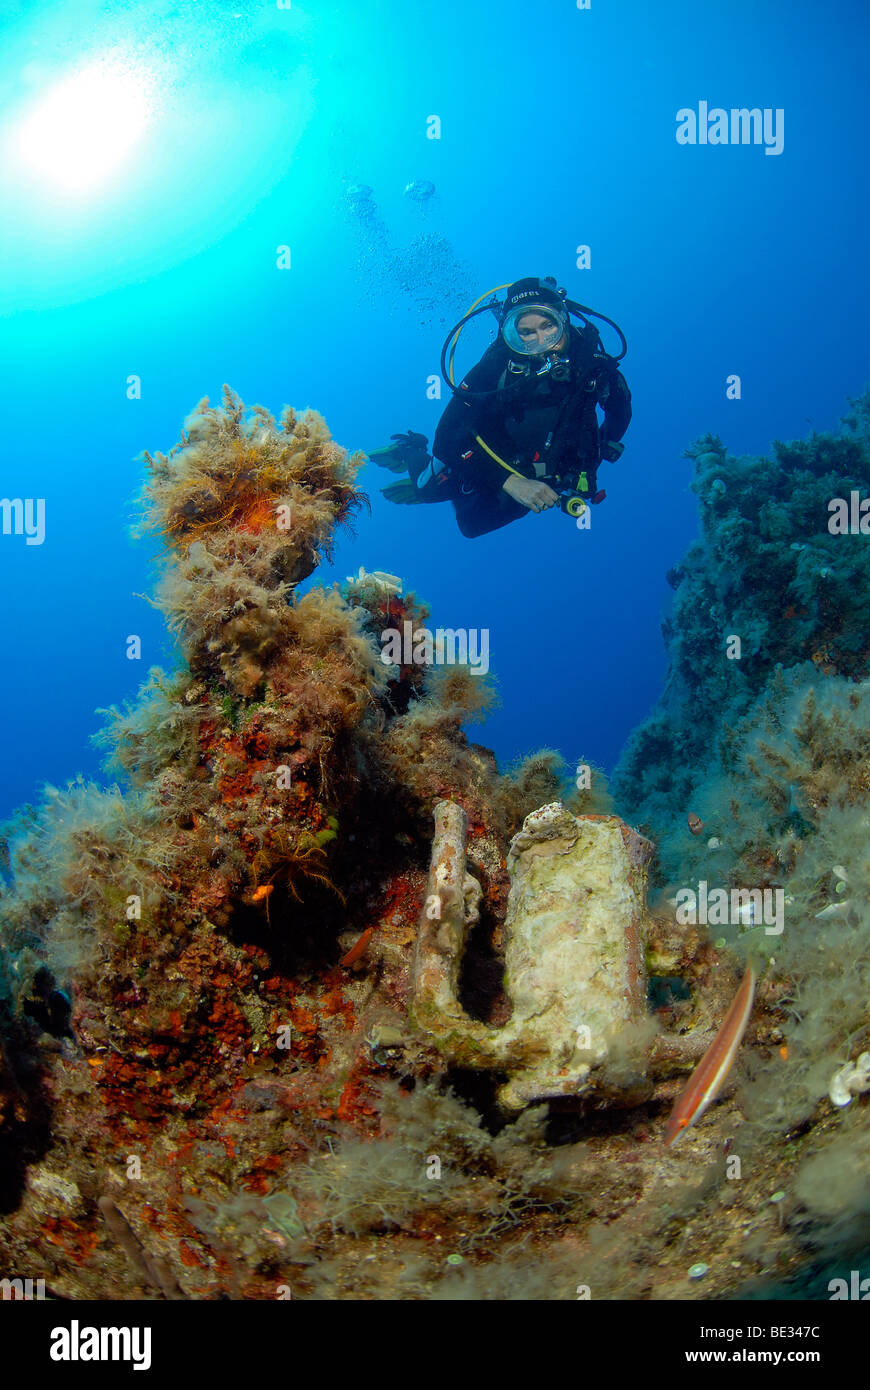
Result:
[766,569]
[765,748]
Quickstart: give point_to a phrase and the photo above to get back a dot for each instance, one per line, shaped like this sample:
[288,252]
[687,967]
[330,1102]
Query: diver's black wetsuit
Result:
[544,427]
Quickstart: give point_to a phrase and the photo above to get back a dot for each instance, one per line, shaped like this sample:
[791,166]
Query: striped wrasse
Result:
[704,1084]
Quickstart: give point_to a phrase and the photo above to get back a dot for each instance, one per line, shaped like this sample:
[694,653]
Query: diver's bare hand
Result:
[531,492]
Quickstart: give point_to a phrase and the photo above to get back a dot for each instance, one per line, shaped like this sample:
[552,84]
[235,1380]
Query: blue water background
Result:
[558,129]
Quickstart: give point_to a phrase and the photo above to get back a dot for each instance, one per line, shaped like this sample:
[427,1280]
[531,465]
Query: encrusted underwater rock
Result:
[766,568]
[178,978]
[574,956]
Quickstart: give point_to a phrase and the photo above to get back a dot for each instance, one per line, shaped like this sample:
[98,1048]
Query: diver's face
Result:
[536,331]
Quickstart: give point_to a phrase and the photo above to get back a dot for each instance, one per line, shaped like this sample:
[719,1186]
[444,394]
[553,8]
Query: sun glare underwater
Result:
[85,126]
[435,513]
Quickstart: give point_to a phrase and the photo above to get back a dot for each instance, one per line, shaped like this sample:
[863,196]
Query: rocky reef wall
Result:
[752,774]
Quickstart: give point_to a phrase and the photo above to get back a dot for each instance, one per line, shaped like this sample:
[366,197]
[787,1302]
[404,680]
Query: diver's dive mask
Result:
[537,346]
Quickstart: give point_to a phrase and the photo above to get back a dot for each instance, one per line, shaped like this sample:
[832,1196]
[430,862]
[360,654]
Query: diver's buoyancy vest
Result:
[534,414]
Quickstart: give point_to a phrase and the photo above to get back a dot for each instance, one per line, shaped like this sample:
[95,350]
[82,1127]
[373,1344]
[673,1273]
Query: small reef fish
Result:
[263,892]
[706,1080]
[695,824]
[358,947]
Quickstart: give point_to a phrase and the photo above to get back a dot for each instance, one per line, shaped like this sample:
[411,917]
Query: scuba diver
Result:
[521,431]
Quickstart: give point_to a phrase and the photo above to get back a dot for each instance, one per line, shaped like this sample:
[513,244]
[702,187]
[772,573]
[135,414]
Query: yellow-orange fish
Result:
[358,947]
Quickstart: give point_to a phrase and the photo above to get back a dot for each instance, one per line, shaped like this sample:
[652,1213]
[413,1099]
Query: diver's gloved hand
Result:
[531,492]
[413,440]
[611,451]
[405,450]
